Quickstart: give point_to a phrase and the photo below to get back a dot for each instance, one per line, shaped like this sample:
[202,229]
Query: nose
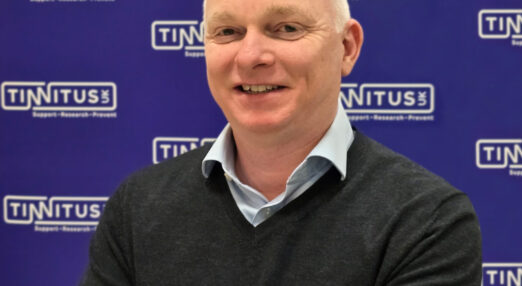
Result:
[255,52]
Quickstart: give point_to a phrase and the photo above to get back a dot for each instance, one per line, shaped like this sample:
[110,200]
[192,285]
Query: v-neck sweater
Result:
[390,222]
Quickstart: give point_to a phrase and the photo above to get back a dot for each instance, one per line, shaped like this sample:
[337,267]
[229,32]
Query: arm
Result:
[448,250]
[110,249]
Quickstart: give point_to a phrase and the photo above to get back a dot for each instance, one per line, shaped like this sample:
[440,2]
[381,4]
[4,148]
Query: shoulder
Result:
[164,182]
[187,164]
[392,187]
[371,163]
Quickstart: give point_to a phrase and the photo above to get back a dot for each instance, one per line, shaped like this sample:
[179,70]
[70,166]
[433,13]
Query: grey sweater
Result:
[389,223]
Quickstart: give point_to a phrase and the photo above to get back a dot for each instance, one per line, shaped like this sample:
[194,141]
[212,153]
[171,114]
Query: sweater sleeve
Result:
[109,251]
[447,251]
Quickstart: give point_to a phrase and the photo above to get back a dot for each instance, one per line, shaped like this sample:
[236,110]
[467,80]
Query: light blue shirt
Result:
[331,150]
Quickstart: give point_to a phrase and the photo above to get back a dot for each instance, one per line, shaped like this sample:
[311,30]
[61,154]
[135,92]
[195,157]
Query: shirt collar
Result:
[222,151]
[335,142]
[333,146]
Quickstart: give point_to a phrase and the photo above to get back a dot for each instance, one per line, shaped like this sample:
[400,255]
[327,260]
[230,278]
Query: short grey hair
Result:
[342,13]
[340,6]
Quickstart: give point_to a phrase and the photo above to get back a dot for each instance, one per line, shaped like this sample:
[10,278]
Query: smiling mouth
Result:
[257,89]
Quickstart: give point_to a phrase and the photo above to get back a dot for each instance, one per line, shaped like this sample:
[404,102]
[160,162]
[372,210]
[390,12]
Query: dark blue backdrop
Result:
[93,90]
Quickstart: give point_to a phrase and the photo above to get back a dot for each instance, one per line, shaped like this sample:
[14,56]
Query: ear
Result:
[352,42]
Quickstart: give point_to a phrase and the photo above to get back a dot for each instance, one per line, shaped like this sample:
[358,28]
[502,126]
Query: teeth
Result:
[258,88]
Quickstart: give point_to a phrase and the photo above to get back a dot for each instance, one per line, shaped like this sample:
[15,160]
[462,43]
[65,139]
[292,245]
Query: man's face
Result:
[273,64]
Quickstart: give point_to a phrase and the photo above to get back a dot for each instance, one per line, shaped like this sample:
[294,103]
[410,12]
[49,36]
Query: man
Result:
[289,194]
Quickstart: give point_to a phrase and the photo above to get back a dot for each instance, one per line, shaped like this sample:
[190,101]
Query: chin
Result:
[260,125]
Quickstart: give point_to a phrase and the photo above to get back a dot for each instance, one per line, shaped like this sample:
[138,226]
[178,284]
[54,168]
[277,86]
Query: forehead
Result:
[219,10]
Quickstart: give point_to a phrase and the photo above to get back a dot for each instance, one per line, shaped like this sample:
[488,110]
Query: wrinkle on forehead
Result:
[221,16]
[271,11]
[287,10]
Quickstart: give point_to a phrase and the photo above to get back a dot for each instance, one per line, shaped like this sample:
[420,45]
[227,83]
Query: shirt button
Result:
[227,176]
[267,211]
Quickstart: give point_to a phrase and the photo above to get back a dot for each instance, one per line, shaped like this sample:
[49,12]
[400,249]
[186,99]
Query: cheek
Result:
[313,71]
[299,63]
[214,65]
[329,64]
[218,60]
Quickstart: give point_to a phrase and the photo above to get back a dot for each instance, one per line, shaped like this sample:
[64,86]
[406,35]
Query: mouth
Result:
[258,89]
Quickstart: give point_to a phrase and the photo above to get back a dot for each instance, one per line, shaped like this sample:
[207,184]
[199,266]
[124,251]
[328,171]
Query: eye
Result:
[225,35]
[289,31]
[227,32]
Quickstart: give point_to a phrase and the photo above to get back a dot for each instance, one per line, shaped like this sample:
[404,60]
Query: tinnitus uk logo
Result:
[389,101]
[179,35]
[501,24]
[502,274]
[54,214]
[60,99]
[500,154]
[169,147]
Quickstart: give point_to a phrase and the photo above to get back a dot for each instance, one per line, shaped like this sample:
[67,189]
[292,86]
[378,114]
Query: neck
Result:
[265,162]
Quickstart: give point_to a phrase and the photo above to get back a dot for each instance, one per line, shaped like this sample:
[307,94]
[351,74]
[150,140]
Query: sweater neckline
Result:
[320,192]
